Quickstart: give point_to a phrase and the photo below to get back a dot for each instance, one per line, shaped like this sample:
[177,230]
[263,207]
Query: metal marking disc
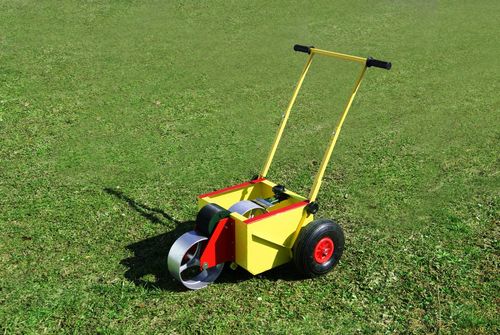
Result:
[184,262]
[247,208]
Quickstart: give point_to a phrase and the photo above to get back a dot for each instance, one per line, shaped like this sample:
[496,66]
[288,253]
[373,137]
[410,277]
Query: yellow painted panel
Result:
[227,199]
[263,255]
[278,228]
[263,244]
[262,189]
[241,238]
[268,243]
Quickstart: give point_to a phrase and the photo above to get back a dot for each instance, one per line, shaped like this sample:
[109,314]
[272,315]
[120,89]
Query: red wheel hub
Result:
[323,250]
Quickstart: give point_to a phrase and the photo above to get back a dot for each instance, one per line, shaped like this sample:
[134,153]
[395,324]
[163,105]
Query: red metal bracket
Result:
[220,247]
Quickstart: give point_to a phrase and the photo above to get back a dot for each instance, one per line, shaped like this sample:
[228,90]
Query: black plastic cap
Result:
[302,48]
[312,207]
[378,63]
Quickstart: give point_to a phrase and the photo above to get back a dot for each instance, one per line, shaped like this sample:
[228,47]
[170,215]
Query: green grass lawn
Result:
[115,115]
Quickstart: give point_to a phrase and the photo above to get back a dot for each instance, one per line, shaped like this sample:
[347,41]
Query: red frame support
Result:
[220,247]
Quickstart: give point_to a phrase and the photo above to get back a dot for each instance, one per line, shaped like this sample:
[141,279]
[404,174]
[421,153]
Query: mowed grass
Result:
[115,115]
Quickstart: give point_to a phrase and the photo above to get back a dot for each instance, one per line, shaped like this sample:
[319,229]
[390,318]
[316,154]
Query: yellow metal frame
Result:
[326,158]
[266,241]
[263,242]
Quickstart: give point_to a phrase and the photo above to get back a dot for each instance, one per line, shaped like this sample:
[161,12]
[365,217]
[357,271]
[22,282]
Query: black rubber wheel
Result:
[318,248]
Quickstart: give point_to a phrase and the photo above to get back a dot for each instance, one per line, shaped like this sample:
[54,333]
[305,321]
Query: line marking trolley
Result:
[259,225]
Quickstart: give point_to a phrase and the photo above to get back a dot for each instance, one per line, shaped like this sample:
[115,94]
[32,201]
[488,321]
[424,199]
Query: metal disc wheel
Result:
[247,208]
[184,262]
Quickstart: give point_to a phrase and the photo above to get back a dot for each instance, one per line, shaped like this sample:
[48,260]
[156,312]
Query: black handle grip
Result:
[302,48]
[378,63]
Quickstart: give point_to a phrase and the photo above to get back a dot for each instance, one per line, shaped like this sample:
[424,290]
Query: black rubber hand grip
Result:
[302,48]
[378,63]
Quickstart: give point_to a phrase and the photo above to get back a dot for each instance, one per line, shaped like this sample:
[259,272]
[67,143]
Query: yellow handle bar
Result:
[366,62]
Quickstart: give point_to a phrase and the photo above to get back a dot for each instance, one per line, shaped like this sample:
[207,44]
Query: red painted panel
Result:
[220,247]
[281,210]
[231,188]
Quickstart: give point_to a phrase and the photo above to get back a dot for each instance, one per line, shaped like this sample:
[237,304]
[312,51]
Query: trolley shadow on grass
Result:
[150,255]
